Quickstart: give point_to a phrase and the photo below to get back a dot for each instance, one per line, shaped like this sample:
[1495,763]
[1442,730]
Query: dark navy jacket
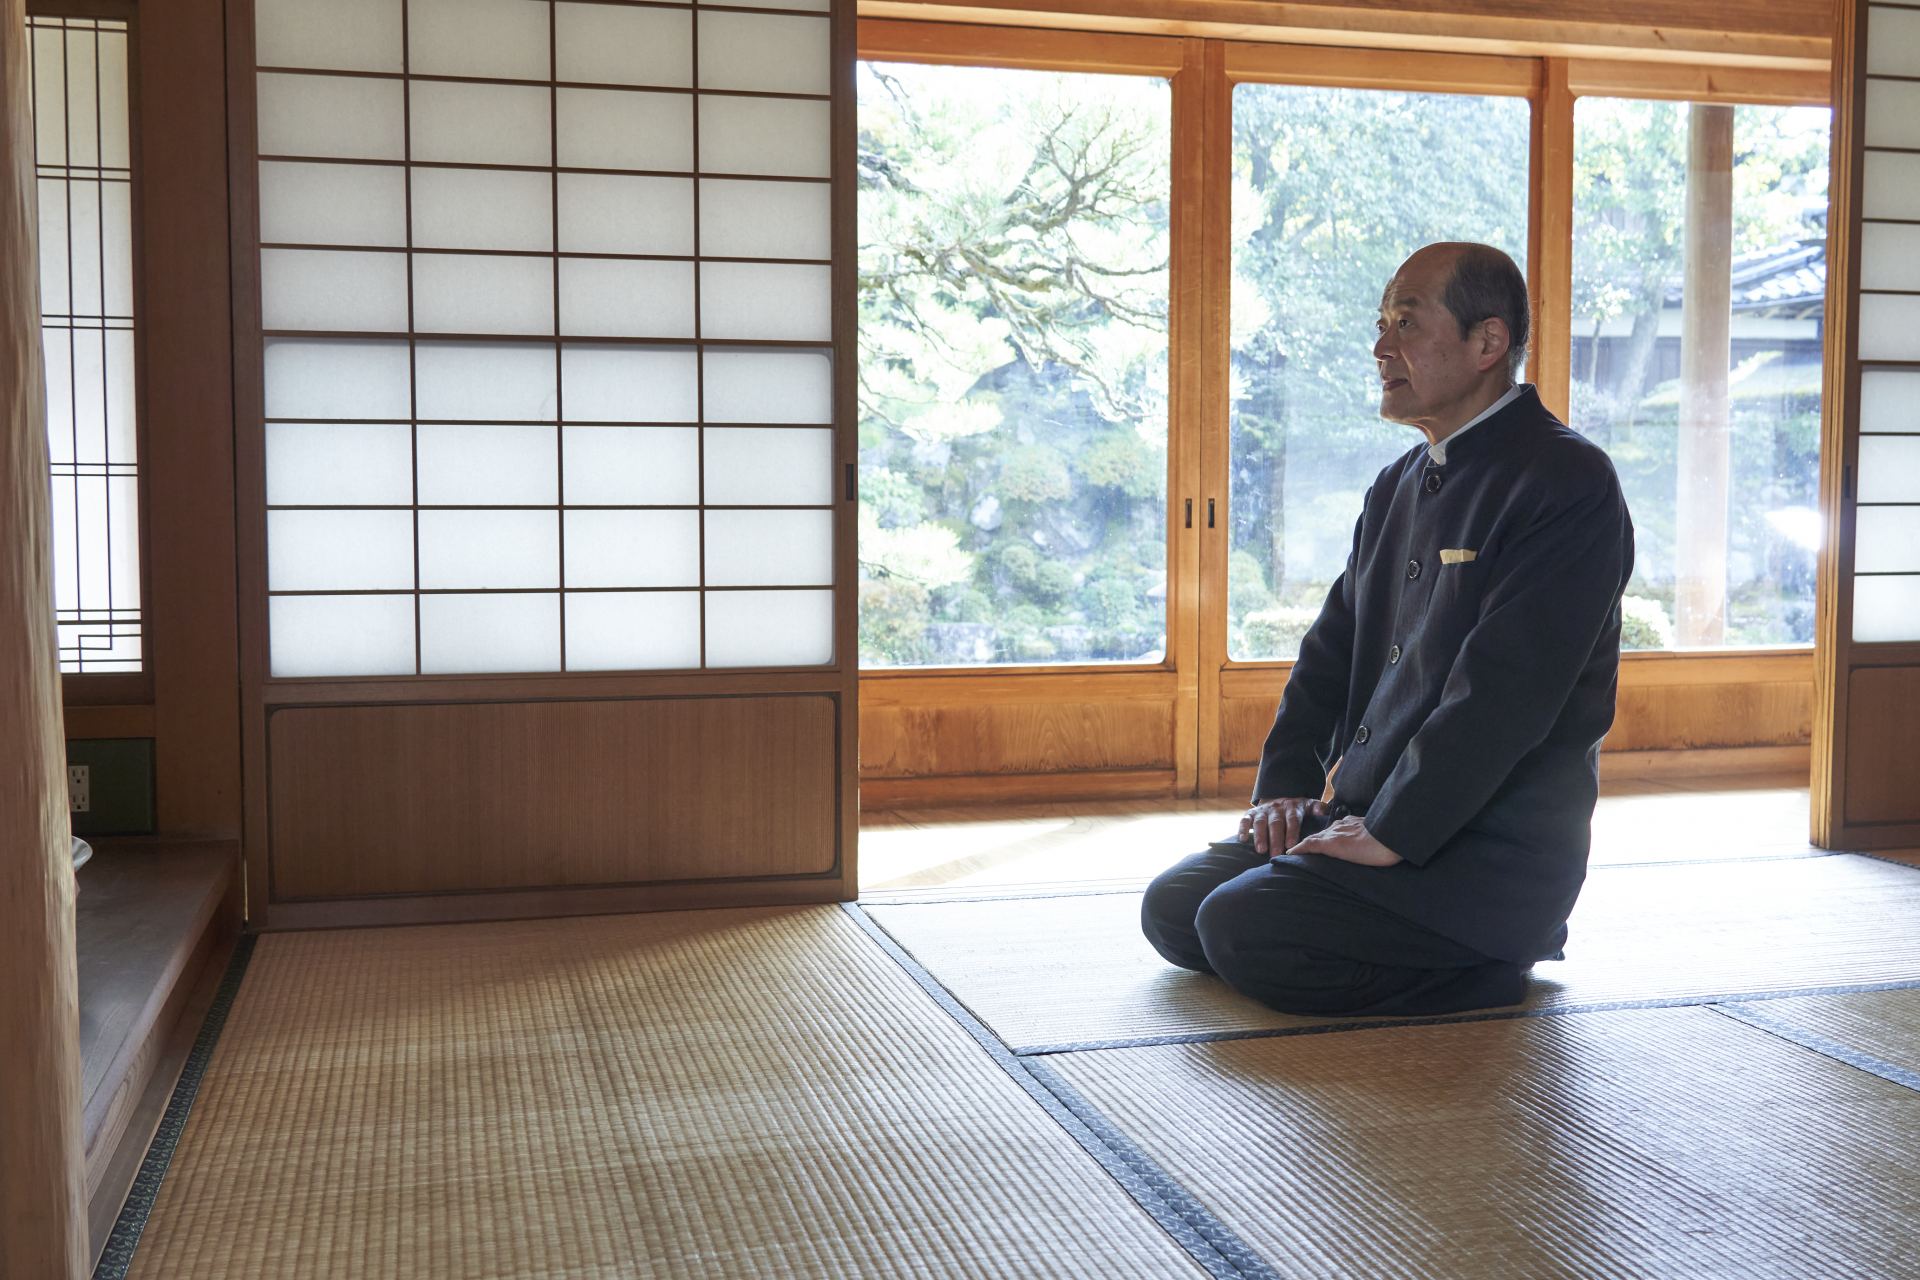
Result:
[1464,698]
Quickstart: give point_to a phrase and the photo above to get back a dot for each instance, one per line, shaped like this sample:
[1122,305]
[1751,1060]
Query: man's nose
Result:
[1380,347]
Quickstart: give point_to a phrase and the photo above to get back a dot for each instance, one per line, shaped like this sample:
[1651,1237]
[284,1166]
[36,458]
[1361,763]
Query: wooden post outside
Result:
[1704,455]
[42,1168]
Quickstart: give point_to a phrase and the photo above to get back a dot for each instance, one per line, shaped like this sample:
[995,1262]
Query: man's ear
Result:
[1495,341]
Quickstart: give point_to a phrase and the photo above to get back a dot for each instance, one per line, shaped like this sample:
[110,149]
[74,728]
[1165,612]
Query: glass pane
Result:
[768,386]
[613,213]
[1703,380]
[499,39]
[633,466]
[341,635]
[615,44]
[629,384]
[334,203]
[489,633]
[340,117]
[775,466]
[1013,411]
[1322,221]
[495,464]
[633,549]
[766,301]
[482,209]
[622,298]
[633,630]
[1886,610]
[764,53]
[489,549]
[740,219]
[312,464]
[777,137]
[617,129]
[769,628]
[769,548]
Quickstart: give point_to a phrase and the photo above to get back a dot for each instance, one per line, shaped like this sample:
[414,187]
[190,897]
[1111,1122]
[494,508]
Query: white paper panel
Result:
[759,52]
[54,298]
[624,129]
[340,35]
[488,464]
[489,633]
[632,466]
[633,548]
[628,384]
[1886,610]
[1889,400]
[769,628]
[811,6]
[502,39]
[482,209]
[616,44]
[339,550]
[321,378]
[346,117]
[1893,41]
[740,219]
[482,381]
[1890,186]
[121,443]
[480,123]
[766,300]
[324,289]
[341,635]
[115,117]
[769,466]
[1886,540]
[489,549]
[769,386]
[1889,327]
[482,293]
[339,464]
[49,101]
[333,203]
[1893,114]
[769,548]
[1889,256]
[82,116]
[1889,469]
[633,631]
[778,137]
[116,248]
[82,268]
[623,298]
[614,213]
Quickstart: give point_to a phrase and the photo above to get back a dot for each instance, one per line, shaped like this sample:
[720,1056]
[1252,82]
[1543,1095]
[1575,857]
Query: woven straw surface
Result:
[708,1093]
[1669,1143]
[1882,1024]
[1073,970]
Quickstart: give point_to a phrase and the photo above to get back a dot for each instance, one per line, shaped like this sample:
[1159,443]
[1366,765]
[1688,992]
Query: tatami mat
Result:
[1670,1143]
[1048,973]
[1882,1025]
[733,1093]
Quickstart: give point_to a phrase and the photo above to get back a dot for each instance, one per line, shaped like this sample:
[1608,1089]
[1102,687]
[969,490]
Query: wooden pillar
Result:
[42,1170]
[1704,467]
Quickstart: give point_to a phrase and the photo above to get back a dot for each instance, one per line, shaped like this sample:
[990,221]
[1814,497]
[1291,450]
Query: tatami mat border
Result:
[1210,1242]
[117,1254]
[1824,1045]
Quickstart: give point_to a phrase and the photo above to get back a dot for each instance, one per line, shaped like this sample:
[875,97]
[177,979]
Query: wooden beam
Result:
[1550,240]
[1781,34]
[1596,77]
[1382,69]
[1190,329]
[42,1166]
[953,44]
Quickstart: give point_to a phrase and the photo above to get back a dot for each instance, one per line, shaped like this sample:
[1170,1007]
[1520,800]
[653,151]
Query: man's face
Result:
[1426,367]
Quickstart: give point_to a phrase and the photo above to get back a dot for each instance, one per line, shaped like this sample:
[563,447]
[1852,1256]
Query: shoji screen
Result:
[548,328]
[1866,784]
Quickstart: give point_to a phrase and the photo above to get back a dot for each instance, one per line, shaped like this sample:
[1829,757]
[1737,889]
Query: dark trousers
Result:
[1301,944]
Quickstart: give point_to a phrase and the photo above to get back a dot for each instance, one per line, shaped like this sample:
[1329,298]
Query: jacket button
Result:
[1362,734]
[1434,481]
[1413,568]
[1393,654]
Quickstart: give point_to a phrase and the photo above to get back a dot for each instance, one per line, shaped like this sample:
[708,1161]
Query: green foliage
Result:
[1644,624]
[1035,473]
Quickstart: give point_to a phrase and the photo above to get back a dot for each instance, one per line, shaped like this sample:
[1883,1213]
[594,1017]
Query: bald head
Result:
[1481,283]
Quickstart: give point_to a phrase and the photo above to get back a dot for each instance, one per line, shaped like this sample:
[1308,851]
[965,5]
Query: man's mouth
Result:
[1389,384]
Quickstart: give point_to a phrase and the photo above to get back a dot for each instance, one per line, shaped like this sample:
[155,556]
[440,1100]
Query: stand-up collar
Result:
[1438,450]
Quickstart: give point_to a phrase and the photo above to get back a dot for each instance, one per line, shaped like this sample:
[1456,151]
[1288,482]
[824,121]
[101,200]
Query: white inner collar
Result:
[1438,450]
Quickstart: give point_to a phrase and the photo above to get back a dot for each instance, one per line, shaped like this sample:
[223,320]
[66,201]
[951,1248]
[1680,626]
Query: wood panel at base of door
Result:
[462,798]
[981,735]
[1883,746]
[1005,788]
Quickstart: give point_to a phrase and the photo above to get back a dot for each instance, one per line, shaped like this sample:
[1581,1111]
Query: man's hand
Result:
[1273,825]
[1349,841]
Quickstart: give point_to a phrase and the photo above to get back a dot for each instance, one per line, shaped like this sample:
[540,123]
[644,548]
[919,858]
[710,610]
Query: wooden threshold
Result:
[156,922]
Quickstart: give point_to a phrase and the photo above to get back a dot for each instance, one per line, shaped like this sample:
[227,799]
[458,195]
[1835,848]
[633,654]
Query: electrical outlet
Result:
[79,788]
